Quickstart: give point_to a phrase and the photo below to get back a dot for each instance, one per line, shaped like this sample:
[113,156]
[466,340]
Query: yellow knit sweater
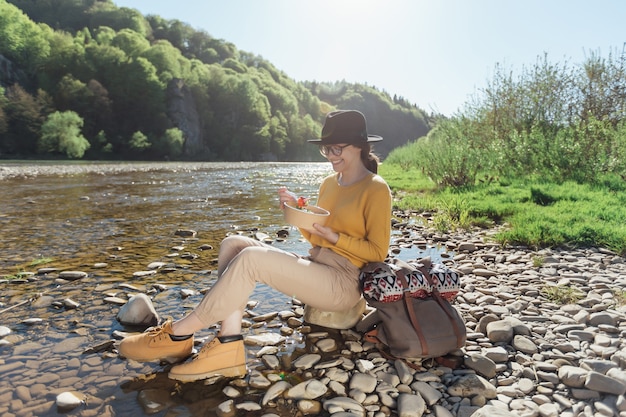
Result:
[361,214]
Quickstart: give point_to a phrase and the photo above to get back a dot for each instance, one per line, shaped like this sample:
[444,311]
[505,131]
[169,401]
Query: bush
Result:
[60,133]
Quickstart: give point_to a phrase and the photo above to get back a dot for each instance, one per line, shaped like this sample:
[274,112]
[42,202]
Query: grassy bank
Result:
[537,214]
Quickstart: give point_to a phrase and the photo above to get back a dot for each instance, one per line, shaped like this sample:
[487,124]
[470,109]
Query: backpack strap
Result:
[445,305]
[411,312]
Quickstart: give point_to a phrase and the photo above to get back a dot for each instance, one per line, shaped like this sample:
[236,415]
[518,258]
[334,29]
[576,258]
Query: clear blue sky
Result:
[434,53]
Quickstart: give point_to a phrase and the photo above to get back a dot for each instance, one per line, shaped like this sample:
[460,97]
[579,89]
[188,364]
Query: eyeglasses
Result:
[334,149]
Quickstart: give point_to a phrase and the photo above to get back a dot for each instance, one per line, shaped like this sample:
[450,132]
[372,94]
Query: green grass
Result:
[562,294]
[537,214]
[20,269]
[406,179]
[620,297]
[40,261]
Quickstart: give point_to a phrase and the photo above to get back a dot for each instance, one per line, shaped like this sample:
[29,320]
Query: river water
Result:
[111,221]
[74,216]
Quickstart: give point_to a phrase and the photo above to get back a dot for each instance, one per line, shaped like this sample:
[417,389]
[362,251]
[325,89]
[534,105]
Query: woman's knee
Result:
[232,245]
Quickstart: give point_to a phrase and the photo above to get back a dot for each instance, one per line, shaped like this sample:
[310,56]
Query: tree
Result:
[167,60]
[66,15]
[171,143]
[23,116]
[107,14]
[60,133]
[130,42]
[21,40]
[139,142]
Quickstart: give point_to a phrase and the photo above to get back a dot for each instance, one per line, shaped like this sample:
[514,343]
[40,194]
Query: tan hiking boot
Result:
[156,344]
[225,356]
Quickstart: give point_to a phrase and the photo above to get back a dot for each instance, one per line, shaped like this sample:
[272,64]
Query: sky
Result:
[437,54]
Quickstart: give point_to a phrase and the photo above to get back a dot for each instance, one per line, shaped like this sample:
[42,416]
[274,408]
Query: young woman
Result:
[356,232]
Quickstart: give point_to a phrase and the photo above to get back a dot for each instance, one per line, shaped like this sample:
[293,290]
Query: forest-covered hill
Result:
[88,79]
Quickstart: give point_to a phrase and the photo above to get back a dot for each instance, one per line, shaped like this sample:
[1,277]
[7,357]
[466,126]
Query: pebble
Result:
[67,401]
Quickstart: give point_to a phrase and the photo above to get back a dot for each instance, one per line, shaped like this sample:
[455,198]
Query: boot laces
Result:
[208,346]
[157,332]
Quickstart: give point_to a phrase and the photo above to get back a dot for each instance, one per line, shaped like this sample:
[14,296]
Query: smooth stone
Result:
[364,382]
[33,320]
[44,301]
[115,300]
[264,339]
[307,390]
[481,364]
[497,354]
[258,380]
[67,401]
[490,411]
[265,318]
[307,361]
[185,233]
[275,390]
[141,274]
[343,404]
[524,344]
[486,273]
[327,345]
[598,382]
[410,405]
[597,365]
[405,373]
[271,361]
[226,409]
[138,311]
[72,275]
[499,331]
[267,350]
[156,265]
[470,385]
[309,407]
[430,394]
[70,304]
[549,410]
[573,376]
[248,406]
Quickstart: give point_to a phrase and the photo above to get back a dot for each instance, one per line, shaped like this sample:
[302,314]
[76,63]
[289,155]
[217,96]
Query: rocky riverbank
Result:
[527,354]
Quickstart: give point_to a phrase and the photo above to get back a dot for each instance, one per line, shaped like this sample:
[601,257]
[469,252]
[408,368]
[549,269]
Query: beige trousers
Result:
[324,279]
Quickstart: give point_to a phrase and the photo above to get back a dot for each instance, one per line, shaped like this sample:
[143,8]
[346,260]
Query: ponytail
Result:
[369,158]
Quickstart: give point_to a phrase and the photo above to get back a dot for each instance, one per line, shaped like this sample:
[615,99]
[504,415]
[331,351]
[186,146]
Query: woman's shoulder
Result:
[378,185]
[380,181]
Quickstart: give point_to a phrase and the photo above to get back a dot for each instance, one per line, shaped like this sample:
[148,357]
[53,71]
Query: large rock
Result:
[138,311]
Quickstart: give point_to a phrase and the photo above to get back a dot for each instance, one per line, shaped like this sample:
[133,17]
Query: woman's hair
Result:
[369,158]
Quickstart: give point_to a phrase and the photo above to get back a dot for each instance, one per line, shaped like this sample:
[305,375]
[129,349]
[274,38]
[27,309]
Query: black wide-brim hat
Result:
[345,126]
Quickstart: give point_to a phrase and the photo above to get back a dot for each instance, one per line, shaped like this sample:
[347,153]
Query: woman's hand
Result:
[325,232]
[285,196]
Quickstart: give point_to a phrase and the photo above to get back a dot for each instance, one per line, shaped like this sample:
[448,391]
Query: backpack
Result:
[417,321]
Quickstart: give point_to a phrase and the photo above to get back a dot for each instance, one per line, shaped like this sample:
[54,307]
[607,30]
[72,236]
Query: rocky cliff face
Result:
[182,111]
[9,73]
